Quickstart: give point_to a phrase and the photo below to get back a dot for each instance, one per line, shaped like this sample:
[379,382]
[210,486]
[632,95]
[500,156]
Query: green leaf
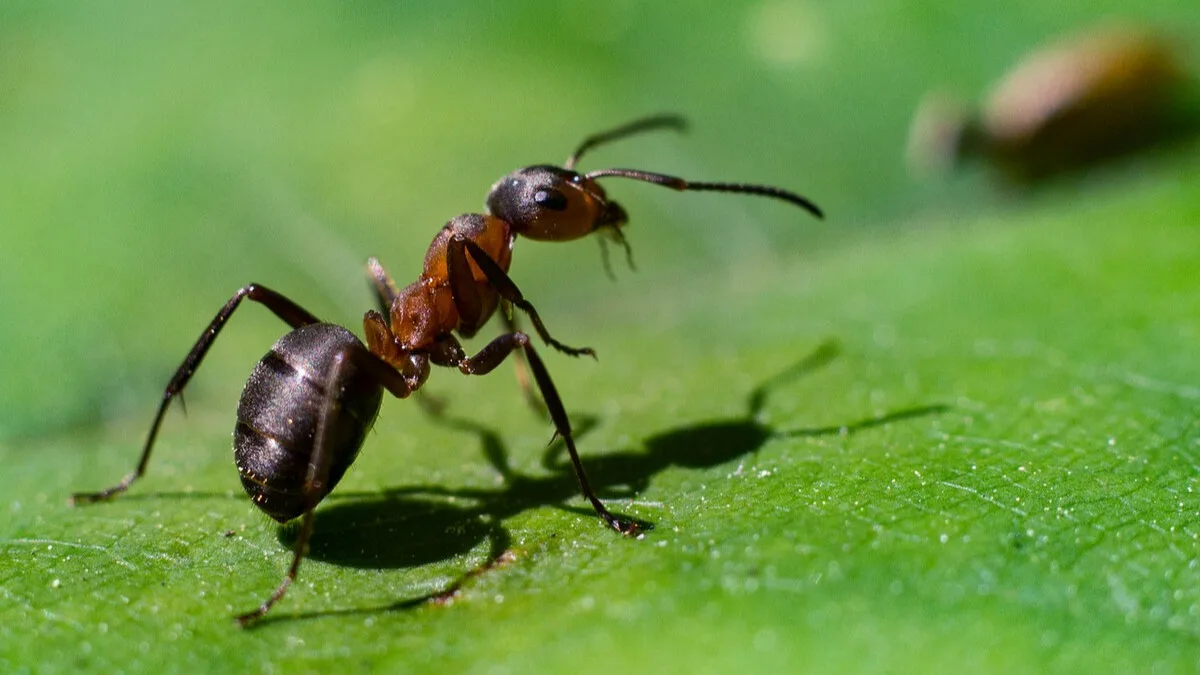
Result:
[934,442]
[996,471]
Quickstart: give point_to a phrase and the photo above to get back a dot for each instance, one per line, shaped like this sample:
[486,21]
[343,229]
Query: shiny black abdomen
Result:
[274,439]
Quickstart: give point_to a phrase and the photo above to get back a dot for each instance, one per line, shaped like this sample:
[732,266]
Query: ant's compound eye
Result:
[551,199]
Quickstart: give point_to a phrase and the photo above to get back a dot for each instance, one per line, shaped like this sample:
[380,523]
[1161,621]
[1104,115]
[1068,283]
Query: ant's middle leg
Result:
[291,313]
[450,353]
[385,288]
[460,276]
[415,368]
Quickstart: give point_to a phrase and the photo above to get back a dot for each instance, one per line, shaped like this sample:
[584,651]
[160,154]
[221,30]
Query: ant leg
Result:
[491,356]
[382,343]
[469,300]
[318,467]
[522,373]
[300,551]
[385,288]
[291,313]
[508,290]
[468,297]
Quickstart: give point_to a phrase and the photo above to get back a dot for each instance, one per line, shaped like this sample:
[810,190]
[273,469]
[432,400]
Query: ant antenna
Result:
[664,121]
[680,184]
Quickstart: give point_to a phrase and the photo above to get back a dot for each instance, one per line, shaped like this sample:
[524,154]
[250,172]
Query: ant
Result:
[309,403]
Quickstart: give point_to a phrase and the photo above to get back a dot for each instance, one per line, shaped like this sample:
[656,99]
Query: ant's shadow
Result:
[419,525]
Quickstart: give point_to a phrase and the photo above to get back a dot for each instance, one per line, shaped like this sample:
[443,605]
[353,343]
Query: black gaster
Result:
[275,435]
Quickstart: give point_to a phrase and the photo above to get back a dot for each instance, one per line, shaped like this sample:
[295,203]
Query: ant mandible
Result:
[309,403]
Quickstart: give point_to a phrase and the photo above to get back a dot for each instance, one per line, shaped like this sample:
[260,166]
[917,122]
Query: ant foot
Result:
[250,618]
[573,351]
[103,495]
[628,527]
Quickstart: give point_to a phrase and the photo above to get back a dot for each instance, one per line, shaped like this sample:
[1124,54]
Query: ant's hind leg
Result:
[316,483]
[291,313]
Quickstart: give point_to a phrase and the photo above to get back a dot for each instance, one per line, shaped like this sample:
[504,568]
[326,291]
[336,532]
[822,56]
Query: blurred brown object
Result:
[1098,95]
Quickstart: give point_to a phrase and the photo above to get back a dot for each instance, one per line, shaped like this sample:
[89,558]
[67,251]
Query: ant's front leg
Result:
[519,368]
[450,353]
[460,278]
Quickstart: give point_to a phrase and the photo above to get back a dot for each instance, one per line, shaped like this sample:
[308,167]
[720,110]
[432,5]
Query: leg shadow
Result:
[418,525]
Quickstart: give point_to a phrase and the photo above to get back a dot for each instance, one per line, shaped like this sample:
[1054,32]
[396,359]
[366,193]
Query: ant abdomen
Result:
[279,412]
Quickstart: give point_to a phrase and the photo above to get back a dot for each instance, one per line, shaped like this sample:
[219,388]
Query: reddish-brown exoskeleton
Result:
[307,406]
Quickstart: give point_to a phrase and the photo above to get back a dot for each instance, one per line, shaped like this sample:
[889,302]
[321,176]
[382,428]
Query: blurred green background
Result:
[155,158]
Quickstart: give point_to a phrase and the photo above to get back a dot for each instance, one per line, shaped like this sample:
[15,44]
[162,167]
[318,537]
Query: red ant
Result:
[309,403]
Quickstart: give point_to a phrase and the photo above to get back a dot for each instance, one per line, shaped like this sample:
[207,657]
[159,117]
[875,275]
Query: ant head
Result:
[549,203]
